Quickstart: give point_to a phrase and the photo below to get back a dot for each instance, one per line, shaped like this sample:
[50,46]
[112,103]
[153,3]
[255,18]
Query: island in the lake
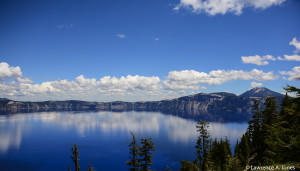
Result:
[213,102]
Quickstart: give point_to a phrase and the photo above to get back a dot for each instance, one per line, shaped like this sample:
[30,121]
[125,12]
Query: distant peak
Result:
[259,89]
[262,88]
[260,92]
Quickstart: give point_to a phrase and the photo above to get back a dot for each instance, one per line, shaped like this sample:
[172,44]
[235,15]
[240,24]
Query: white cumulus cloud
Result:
[213,7]
[189,79]
[129,83]
[295,43]
[294,74]
[257,59]
[255,84]
[7,72]
[295,56]
[107,88]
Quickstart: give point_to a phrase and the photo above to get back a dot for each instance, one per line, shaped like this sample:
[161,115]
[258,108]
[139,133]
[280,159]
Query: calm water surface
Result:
[43,141]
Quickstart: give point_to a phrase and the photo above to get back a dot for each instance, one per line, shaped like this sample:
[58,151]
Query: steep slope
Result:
[198,103]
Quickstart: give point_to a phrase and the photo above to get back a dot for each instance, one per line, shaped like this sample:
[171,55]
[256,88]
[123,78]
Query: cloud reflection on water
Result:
[178,130]
[10,136]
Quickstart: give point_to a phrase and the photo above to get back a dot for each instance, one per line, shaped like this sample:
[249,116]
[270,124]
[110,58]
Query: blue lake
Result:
[43,141]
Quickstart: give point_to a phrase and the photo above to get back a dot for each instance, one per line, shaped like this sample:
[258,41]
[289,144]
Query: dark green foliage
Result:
[203,145]
[245,150]
[255,134]
[274,135]
[75,157]
[140,155]
[235,164]
[189,166]
[168,168]
[270,112]
[268,128]
[134,152]
[145,153]
[260,134]
[220,155]
[288,134]
[199,152]
[242,151]
[282,134]
[211,155]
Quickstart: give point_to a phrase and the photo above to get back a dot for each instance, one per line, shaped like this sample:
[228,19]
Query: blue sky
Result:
[146,50]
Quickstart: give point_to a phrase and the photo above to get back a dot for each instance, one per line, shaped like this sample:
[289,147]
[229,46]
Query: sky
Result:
[140,50]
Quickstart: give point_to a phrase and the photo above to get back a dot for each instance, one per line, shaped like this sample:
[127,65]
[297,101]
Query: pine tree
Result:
[236,163]
[270,111]
[289,127]
[280,135]
[134,152]
[203,145]
[254,129]
[145,153]
[270,119]
[220,154]
[75,157]
[285,106]
[227,154]
[215,154]
[259,130]
[274,136]
[199,152]
[91,168]
[244,150]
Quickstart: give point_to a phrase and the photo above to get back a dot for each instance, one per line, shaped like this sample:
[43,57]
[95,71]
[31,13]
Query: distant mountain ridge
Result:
[4,99]
[197,103]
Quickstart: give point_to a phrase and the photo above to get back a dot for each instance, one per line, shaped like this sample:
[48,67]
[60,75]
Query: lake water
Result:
[43,141]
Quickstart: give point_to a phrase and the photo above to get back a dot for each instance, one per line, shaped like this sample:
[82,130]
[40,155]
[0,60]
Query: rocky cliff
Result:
[201,102]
